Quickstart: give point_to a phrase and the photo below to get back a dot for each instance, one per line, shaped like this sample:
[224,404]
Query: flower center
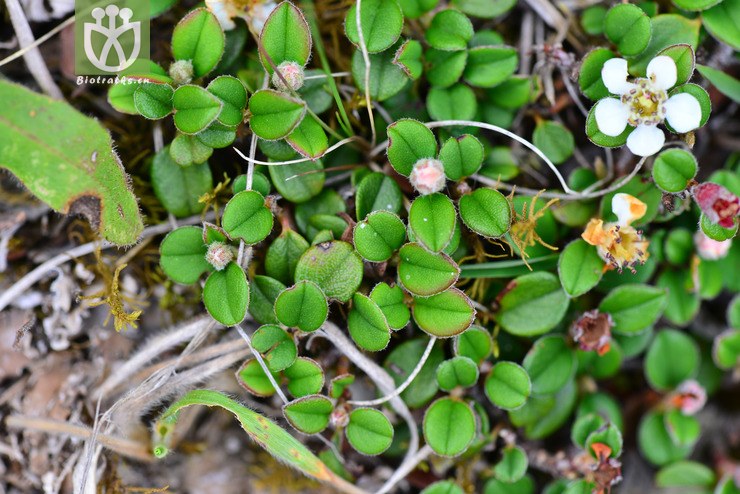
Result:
[645,103]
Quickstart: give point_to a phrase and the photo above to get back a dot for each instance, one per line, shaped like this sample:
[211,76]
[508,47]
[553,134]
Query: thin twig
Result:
[38,42]
[400,389]
[405,468]
[366,58]
[299,160]
[34,61]
[262,363]
[324,76]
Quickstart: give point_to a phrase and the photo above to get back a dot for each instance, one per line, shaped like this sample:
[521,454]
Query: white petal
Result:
[662,71]
[646,140]
[627,208]
[614,74]
[683,112]
[611,116]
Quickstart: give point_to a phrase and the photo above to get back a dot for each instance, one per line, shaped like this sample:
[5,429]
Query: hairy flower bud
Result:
[181,72]
[689,397]
[293,75]
[428,176]
[717,203]
[219,255]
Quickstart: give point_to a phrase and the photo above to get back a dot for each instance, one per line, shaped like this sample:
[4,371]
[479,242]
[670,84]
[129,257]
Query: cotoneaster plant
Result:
[435,253]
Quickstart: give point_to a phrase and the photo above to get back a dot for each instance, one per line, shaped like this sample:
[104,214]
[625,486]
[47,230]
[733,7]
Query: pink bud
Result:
[690,397]
[428,176]
[293,75]
[710,249]
[219,255]
[717,203]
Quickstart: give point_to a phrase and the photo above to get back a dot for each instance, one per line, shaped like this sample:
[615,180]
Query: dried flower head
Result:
[428,176]
[689,397]
[620,244]
[593,331]
[292,74]
[219,255]
[717,203]
[608,471]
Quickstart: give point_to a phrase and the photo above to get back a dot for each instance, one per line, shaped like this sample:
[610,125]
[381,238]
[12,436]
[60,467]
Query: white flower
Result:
[253,12]
[643,104]
[428,176]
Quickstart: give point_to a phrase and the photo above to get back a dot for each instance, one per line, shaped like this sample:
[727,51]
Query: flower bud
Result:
[181,72]
[428,176]
[689,397]
[717,203]
[293,75]
[710,249]
[219,255]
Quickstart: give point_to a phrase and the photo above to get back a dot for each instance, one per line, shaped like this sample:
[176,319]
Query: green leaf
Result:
[178,188]
[425,273]
[461,156]
[550,363]
[667,30]
[634,307]
[334,266]
[276,346]
[672,358]
[195,108]
[508,385]
[232,94]
[226,295]
[432,220]
[302,306]
[445,67]
[339,383]
[263,292]
[445,314]
[450,30]
[299,182]
[153,101]
[512,466]
[458,371]
[726,348]
[408,142]
[377,192]
[674,169]
[449,426]
[716,232]
[183,255]
[408,59]
[381,21]
[415,8]
[683,429]
[485,9]
[456,102]
[532,304]
[379,235]
[486,211]
[628,27]
[285,37]
[309,414]
[251,376]
[188,150]
[391,302]
[543,414]
[592,20]
[722,22]
[725,83]
[513,93]
[589,76]
[685,59]
[554,139]
[121,95]
[367,324]
[475,343]
[283,254]
[489,66]
[247,217]
[525,485]
[198,37]
[609,435]
[599,138]
[655,443]
[386,78]
[369,431]
[584,426]
[305,377]
[275,440]
[580,268]
[66,160]
[217,135]
[443,487]
[685,474]
[695,5]
[309,139]
[274,115]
